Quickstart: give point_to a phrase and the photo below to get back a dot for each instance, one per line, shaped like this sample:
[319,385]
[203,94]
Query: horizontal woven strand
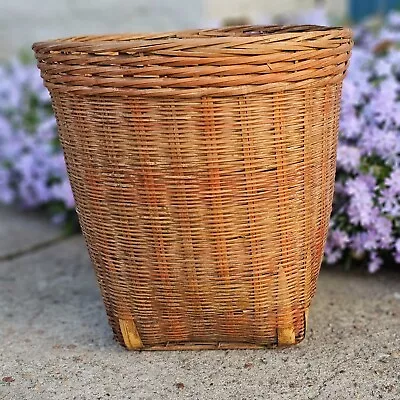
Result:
[140,60]
[197,92]
[200,81]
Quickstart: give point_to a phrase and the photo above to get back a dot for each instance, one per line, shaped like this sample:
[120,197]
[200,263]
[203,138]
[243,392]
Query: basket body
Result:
[202,164]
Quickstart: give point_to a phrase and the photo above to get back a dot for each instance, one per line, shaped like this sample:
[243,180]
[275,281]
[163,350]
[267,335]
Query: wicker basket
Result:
[202,164]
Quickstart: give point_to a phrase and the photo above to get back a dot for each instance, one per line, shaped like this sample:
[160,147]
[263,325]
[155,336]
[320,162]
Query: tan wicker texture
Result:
[202,164]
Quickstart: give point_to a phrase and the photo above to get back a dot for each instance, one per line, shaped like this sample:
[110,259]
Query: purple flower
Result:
[382,231]
[361,208]
[384,67]
[348,157]
[397,251]
[384,143]
[336,243]
[332,256]
[390,35]
[390,195]
[63,192]
[357,243]
[393,19]
[375,263]
[393,181]
[339,238]
[389,202]
[350,125]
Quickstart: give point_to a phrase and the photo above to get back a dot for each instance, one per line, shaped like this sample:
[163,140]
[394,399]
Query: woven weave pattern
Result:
[202,165]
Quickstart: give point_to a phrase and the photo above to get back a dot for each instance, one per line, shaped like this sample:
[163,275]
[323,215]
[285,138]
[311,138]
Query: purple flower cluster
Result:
[32,168]
[366,216]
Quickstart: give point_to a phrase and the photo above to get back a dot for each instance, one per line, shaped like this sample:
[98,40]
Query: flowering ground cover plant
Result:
[365,222]
[32,168]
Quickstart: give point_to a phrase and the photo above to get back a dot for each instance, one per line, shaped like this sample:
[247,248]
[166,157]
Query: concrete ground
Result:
[55,342]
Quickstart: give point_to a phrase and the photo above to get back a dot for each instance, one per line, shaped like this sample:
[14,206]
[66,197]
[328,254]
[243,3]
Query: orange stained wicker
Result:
[202,164]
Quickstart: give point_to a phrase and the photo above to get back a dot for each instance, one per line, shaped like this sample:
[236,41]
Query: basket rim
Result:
[234,34]
[191,63]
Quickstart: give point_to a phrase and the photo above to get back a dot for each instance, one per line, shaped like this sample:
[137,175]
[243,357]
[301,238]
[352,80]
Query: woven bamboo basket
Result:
[202,165]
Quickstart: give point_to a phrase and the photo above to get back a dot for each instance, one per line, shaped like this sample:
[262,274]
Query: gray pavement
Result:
[23,232]
[55,342]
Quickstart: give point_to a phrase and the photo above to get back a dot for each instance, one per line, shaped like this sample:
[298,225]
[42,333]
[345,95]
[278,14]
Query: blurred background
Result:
[25,21]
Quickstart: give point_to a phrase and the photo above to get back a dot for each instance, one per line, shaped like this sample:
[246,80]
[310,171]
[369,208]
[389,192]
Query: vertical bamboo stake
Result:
[311,220]
[286,330]
[306,315]
[130,334]
[216,189]
[248,157]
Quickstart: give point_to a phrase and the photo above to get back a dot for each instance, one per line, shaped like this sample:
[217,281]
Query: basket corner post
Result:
[130,334]
[286,336]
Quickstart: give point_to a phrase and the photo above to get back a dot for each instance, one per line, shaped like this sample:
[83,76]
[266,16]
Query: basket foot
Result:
[306,320]
[286,336]
[130,334]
